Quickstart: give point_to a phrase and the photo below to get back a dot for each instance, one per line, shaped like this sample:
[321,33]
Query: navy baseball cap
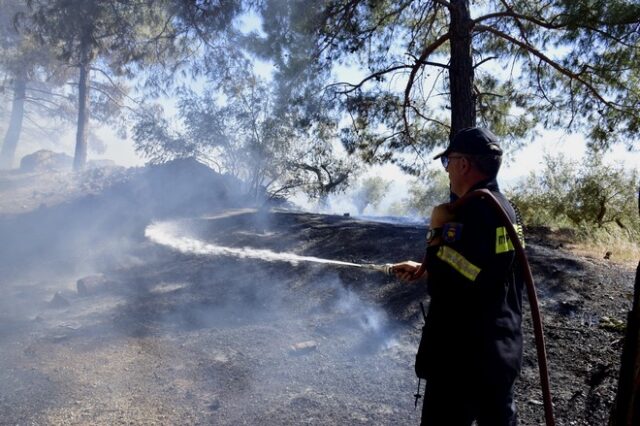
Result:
[473,141]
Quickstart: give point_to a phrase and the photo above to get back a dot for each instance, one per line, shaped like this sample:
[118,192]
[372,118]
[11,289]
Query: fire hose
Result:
[538,332]
[521,256]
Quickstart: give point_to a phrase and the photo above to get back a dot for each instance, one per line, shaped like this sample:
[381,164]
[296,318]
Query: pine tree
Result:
[436,66]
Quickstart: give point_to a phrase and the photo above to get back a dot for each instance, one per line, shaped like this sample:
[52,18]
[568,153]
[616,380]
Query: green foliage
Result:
[426,192]
[590,196]
[370,193]
[561,64]
[238,132]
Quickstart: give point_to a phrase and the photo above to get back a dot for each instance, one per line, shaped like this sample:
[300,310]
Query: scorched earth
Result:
[102,325]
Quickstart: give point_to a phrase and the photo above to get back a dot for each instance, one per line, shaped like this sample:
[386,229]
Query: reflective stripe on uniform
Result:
[458,262]
[503,242]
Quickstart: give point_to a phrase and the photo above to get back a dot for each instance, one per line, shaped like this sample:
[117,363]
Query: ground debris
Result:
[613,324]
[91,284]
[303,347]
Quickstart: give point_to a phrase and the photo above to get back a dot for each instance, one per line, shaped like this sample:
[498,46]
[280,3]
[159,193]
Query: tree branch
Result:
[114,85]
[354,87]
[428,50]
[523,32]
[549,25]
[433,64]
[395,12]
[484,60]
[562,70]
[47,92]
[512,14]
[347,11]
[36,101]
[424,117]
[540,87]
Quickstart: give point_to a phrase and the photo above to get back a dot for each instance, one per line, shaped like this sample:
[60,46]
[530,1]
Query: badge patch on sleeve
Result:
[451,232]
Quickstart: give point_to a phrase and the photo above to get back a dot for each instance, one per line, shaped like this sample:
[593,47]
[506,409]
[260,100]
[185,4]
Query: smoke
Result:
[199,312]
[371,322]
[389,205]
[375,328]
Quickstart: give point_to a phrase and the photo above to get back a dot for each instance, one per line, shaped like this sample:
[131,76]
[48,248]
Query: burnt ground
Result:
[164,337]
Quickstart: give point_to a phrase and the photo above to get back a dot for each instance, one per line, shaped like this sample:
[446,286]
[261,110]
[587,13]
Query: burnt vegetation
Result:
[239,106]
[101,325]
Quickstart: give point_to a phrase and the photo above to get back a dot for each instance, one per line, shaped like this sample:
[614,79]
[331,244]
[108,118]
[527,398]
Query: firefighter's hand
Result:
[406,271]
[440,215]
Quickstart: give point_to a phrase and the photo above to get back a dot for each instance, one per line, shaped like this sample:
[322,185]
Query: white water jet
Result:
[167,234]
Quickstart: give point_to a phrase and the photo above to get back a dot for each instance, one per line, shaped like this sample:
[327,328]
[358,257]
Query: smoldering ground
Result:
[171,337]
[179,337]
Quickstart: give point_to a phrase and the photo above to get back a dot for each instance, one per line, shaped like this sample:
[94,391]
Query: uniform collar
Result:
[491,184]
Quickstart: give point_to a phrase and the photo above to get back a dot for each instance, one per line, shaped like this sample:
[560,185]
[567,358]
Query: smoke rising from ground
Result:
[246,309]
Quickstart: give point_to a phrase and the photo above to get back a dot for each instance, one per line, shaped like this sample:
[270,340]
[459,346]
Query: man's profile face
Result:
[454,163]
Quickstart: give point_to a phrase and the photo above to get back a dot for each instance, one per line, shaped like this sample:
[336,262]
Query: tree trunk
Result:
[15,125]
[463,100]
[626,408]
[80,157]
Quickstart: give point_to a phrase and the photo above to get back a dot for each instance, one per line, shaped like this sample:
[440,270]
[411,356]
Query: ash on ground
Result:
[155,336]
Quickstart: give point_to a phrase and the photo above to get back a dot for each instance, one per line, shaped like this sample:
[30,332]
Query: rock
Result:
[607,255]
[45,160]
[91,284]
[59,301]
[568,307]
[303,347]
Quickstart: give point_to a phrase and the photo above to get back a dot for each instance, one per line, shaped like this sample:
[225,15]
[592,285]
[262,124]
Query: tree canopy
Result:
[436,66]
[109,43]
[392,79]
[241,131]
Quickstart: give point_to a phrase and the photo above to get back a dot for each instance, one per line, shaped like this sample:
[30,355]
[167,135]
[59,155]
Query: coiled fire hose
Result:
[485,194]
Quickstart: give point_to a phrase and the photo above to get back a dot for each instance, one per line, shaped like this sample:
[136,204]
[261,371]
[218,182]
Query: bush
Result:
[596,199]
[424,193]
[370,192]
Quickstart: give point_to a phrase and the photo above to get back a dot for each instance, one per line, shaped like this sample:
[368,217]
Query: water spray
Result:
[167,234]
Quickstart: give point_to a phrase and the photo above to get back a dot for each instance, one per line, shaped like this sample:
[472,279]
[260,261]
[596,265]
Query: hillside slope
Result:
[169,337]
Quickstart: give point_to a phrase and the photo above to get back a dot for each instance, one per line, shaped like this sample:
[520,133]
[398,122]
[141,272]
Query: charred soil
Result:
[164,337]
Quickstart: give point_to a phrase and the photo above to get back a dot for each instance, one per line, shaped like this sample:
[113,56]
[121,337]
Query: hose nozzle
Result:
[385,268]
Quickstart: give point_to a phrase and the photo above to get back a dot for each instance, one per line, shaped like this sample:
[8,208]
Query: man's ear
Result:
[465,164]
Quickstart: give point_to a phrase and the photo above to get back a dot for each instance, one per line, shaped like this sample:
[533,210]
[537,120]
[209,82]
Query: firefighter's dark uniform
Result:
[473,333]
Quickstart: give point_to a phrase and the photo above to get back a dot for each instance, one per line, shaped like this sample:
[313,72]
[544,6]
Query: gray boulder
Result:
[45,160]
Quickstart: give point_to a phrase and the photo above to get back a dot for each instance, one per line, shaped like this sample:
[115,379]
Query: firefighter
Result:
[471,348]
